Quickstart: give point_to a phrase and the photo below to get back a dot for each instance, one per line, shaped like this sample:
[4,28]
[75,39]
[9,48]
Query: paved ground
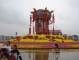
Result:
[51,50]
[55,56]
[65,54]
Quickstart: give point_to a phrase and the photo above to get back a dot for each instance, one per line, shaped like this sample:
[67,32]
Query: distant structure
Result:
[3,38]
[56,32]
[75,37]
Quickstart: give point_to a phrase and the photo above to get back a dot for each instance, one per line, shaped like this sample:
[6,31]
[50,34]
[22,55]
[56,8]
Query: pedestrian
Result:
[7,46]
[6,49]
[4,57]
[12,56]
[0,54]
[16,53]
[56,46]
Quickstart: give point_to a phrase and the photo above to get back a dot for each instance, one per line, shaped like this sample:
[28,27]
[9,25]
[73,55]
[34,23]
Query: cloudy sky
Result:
[14,15]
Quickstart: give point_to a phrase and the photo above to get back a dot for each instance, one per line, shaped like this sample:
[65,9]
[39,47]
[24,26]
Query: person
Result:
[7,46]
[16,53]
[6,49]
[0,53]
[56,46]
[4,57]
[12,57]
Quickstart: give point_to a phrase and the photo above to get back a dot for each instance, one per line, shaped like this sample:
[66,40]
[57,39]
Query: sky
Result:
[15,15]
